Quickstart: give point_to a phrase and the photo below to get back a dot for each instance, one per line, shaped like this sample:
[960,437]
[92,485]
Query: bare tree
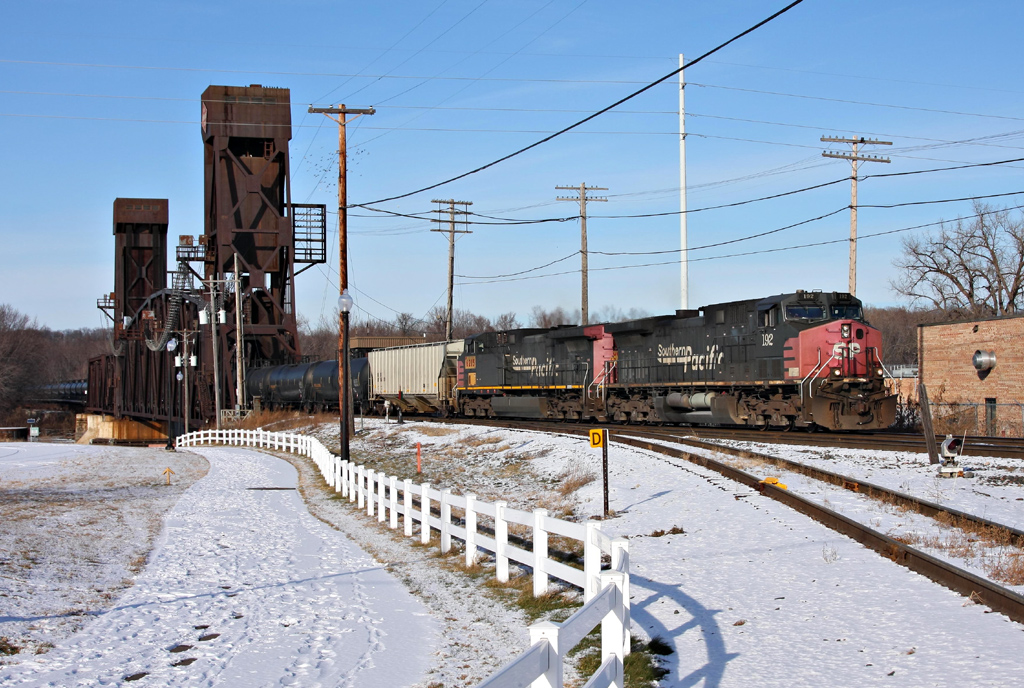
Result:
[16,354]
[973,267]
[898,326]
[506,321]
[540,317]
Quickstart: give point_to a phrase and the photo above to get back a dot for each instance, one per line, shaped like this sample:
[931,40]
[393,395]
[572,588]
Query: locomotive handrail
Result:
[810,374]
[810,387]
[601,382]
[606,593]
[881,364]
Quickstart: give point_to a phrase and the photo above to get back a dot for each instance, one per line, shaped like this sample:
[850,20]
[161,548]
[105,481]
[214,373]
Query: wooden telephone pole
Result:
[344,387]
[582,190]
[854,159]
[452,212]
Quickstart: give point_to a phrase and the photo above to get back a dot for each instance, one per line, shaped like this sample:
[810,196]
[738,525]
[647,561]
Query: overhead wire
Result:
[586,119]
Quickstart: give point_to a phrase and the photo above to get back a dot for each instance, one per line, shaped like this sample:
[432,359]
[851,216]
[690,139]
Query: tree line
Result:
[32,355]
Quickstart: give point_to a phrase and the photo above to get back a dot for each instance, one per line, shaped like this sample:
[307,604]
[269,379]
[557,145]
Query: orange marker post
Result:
[419,467]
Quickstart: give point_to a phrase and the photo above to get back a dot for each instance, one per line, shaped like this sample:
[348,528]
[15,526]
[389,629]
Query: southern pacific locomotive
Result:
[794,360]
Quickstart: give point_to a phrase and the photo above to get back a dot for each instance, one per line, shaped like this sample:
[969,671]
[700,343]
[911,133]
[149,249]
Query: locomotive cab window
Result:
[805,313]
[768,317]
[846,312]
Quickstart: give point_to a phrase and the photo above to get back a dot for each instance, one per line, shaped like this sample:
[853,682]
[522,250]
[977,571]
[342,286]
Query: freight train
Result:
[801,360]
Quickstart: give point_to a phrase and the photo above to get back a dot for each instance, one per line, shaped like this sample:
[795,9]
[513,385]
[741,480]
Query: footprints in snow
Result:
[184,647]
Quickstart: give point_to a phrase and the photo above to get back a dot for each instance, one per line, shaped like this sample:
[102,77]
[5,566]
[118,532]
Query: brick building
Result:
[974,373]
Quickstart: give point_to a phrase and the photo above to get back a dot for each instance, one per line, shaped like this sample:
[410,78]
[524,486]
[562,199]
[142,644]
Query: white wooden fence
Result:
[606,593]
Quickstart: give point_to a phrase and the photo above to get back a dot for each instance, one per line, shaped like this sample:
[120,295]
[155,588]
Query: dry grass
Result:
[481,441]
[573,478]
[991,546]
[434,430]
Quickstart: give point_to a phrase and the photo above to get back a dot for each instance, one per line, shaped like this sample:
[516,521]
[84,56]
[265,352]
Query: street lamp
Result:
[172,344]
[345,303]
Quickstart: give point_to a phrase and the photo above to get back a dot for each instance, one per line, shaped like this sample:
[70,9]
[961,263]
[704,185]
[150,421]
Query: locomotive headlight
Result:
[846,331]
[879,372]
[836,372]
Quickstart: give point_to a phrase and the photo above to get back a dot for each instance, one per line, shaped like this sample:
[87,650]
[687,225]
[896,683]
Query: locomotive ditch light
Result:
[846,330]
[836,372]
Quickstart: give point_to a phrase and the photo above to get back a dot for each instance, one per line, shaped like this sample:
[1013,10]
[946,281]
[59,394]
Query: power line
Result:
[738,255]
[494,278]
[596,114]
[515,221]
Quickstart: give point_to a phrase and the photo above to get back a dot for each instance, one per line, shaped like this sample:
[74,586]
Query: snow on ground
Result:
[479,633]
[246,588]
[996,491]
[76,525]
[750,593]
[746,591]
[993,494]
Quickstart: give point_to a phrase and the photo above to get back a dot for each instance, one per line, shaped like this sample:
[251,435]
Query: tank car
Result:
[307,386]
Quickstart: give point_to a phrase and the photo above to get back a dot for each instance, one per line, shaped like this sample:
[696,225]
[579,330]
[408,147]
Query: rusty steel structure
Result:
[237,279]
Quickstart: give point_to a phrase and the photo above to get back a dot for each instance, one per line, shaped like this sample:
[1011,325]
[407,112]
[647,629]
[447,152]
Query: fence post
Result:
[612,627]
[371,490]
[500,542]
[548,632]
[359,487]
[591,561]
[380,496]
[446,521]
[346,476]
[470,529]
[339,483]
[540,553]
[425,514]
[407,506]
[393,485]
[620,562]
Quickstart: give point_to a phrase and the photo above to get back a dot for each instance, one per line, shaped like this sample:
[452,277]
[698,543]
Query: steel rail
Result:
[992,595]
[974,446]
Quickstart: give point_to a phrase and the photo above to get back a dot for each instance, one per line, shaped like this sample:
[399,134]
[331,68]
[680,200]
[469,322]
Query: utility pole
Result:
[684,256]
[582,190]
[854,159]
[451,251]
[239,343]
[214,317]
[344,387]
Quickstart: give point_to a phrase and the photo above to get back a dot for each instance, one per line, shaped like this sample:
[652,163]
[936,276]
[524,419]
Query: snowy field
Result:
[745,591]
[244,588]
[76,526]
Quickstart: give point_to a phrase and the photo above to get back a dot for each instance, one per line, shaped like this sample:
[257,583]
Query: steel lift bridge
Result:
[239,272]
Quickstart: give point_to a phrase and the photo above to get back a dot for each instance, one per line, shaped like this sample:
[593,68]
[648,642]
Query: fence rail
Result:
[605,593]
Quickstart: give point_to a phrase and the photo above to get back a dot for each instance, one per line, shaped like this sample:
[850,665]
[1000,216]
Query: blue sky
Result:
[101,100]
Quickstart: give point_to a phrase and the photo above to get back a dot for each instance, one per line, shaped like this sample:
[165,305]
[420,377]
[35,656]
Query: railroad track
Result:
[1006,447]
[995,596]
